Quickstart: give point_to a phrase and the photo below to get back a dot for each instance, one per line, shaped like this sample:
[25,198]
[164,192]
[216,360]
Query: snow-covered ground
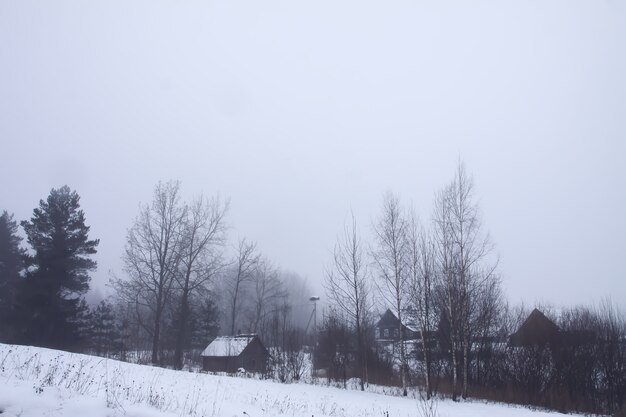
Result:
[44,382]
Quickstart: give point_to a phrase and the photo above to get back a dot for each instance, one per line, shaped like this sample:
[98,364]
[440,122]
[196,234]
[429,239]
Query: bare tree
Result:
[444,251]
[200,259]
[152,257]
[347,285]
[390,256]
[268,293]
[465,268]
[421,270]
[245,264]
[472,247]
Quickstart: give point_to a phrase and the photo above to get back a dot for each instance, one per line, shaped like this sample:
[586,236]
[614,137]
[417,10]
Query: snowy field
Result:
[42,382]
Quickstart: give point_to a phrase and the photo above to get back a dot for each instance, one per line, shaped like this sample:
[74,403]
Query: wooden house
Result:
[231,353]
[388,329]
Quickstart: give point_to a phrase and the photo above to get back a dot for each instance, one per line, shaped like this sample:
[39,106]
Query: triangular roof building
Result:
[537,329]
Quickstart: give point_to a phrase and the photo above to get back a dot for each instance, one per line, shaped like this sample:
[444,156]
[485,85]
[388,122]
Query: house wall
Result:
[254,357]
[388,332]
[215,364]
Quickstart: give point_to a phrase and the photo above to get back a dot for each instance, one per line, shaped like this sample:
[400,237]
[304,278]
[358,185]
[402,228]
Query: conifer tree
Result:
[58,271]
[105,335]
[11,266]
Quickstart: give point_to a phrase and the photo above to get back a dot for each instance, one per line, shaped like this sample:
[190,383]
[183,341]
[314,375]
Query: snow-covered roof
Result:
[228,345]
[412,327]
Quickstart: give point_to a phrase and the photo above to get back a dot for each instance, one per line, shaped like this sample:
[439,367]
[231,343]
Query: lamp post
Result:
[314,299]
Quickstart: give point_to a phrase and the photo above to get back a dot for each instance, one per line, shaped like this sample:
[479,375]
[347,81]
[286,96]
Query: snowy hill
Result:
[42,382]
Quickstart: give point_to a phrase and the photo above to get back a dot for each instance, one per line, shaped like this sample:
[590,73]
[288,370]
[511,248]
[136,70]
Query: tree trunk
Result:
[466,336]
[155,338]
[233,312]
[465,365]
[157,325]
[454,369]
[182,329]
[426,365]
[360,353]
[453,340]
[402,359]
[426,328]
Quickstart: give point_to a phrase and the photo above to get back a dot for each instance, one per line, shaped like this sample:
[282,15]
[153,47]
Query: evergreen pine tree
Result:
[82,323]
[11,267]
[58,274]
[105,332]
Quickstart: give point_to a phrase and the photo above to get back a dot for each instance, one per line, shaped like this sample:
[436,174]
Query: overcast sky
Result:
[300,110]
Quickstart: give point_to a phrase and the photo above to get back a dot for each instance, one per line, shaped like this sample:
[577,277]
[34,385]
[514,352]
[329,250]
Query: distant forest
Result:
[184,282]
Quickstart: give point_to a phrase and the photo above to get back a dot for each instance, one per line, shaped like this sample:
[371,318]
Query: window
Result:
[396,333]
[386,332]
[377,333]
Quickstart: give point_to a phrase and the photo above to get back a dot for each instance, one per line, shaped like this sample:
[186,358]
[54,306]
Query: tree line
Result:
[441,277]
[184,282]
[178,277]
[424,273]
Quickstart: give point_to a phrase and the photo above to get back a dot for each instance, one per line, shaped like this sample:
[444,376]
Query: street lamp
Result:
[314,299]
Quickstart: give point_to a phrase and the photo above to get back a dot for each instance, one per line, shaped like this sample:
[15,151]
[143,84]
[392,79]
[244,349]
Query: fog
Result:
[299,112]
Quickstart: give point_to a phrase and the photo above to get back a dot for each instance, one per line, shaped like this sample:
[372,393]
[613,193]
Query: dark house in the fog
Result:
[230,353]
[387,329]
[538,330]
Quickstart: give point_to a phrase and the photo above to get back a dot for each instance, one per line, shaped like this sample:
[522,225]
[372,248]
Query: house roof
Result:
[228,346]
[412,327]
[536,329]
[537,318]
[388,319]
